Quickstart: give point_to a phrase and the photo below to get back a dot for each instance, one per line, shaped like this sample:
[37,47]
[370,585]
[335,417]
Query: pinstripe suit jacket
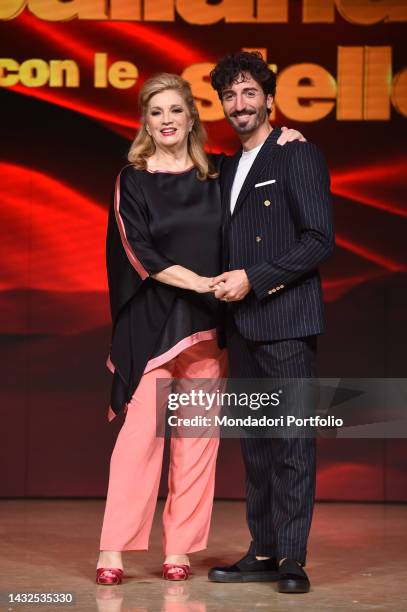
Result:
[280,230]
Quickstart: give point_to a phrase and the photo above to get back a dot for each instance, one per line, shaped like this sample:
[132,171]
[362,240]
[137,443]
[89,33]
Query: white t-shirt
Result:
[245,163]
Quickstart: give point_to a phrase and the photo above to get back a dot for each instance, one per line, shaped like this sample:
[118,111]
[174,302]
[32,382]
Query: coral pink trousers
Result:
[136,463]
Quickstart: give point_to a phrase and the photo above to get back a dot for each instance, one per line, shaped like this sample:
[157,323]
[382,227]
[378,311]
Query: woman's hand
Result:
[288,135]
[202,285]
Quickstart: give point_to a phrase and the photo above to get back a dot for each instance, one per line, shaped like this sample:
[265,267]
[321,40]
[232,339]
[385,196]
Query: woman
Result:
[163,248]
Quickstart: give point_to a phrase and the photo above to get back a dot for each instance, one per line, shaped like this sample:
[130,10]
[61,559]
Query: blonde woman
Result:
[163,249]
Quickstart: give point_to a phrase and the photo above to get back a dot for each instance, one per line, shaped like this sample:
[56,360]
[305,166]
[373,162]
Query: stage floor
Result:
[357,561]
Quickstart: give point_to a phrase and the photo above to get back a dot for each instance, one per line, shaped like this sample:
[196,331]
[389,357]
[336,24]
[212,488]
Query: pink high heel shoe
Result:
[176,571]
[109,575]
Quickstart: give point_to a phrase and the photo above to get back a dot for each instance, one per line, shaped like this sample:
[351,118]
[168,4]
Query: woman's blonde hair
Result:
[143,145]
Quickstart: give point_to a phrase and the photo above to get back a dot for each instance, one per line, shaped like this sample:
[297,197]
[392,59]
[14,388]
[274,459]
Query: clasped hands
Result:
[230,286]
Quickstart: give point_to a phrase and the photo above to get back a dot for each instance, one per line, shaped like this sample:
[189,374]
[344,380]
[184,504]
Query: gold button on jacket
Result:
[266,202]
[258,238]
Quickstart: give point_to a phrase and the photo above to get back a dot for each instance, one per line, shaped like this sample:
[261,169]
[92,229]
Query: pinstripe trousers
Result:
[280,472]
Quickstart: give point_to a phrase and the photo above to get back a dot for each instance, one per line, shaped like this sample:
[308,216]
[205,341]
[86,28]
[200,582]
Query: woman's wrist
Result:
[195,282]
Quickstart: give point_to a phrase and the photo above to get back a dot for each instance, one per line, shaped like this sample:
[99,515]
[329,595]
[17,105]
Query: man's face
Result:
[245,104]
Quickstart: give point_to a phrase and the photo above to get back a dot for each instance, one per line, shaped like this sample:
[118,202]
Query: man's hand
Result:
[235,285]
[288,135]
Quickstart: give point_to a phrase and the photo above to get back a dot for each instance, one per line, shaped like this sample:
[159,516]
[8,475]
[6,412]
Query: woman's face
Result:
[168,120]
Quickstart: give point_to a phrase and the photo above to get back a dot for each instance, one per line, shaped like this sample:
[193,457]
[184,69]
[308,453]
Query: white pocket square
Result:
[265,183]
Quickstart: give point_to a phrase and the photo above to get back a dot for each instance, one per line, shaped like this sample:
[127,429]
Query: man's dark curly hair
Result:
[232,65]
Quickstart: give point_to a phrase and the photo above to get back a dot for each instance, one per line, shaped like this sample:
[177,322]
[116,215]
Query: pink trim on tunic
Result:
[183,344]
[110,364]
[129,251]
[110,414]
[209,334]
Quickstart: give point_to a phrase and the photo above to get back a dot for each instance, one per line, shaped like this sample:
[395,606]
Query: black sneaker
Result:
[293,578]
[248,569]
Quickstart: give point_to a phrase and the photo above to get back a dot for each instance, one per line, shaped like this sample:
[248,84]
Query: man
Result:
[277,229]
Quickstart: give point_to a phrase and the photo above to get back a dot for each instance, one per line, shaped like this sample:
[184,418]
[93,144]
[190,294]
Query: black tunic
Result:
[158,219]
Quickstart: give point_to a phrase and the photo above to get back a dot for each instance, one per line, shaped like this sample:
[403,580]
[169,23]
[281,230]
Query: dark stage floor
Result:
[357,561]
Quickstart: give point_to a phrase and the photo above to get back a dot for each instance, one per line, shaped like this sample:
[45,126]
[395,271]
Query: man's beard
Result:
[259,118]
